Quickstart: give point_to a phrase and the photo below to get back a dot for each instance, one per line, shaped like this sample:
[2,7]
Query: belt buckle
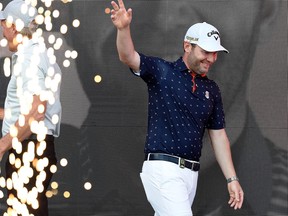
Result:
[182,163]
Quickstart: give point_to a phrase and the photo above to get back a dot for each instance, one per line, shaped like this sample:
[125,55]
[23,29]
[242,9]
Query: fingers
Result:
[115,6]
[129,11]
[114,10]
[118,6]
[120,17]
[241,193]
[236,200]
[236,195]
[121,4]
[233,202]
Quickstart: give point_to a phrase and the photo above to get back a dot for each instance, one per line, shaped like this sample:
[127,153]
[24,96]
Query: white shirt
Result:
[33,73]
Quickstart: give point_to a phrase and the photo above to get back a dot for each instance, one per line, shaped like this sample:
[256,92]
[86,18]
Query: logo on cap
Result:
[191,38]
[215,33]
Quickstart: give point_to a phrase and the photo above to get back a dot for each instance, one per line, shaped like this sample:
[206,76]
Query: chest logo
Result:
[207,94]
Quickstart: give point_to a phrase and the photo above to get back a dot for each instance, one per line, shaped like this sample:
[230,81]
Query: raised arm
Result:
[221,146]
[121,19]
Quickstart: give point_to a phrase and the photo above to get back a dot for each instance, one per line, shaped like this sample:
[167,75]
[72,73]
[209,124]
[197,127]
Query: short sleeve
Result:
[149,68]
[217,118]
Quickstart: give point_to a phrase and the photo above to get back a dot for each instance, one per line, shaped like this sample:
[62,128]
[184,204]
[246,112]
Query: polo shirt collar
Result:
[25,47]
[181,66]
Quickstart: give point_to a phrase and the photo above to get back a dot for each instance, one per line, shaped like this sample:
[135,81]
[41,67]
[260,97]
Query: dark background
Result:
[104,124]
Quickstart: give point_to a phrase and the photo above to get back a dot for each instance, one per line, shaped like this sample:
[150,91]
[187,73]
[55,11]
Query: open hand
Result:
[120,17]
[236,195]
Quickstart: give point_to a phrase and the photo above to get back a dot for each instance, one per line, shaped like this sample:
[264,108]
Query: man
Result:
[182,103]
[32,113]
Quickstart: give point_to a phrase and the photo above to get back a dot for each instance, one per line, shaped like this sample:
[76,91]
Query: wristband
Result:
[233,178]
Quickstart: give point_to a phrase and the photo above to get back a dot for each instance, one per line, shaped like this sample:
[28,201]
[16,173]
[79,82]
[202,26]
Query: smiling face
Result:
[10,33]
[197,59]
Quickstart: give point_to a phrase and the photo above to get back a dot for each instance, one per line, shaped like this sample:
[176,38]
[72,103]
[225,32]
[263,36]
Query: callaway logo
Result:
[215,33]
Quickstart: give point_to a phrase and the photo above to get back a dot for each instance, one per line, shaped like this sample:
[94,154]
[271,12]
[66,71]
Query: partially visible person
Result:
[183,102]
[32,113]
[1,113]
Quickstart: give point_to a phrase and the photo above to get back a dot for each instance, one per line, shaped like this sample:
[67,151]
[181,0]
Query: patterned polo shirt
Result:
[177,116]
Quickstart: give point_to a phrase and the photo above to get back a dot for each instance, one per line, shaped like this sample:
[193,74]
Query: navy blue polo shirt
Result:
[177,117]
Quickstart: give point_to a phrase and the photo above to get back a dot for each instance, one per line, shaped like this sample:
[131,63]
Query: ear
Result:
[187,47]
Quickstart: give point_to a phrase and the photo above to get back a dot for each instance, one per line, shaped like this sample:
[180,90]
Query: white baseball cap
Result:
[206,36]
[19,10]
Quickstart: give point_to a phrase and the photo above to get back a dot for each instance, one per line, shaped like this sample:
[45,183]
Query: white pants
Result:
[169,188]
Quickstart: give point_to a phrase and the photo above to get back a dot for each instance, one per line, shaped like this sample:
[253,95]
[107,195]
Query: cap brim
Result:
[223,50]
[212,48]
